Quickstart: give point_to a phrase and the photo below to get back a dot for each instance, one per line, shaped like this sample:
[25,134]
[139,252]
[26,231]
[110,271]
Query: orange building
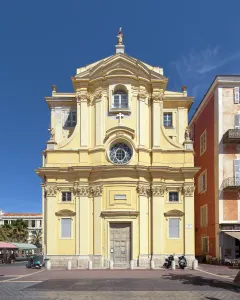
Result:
[215,130]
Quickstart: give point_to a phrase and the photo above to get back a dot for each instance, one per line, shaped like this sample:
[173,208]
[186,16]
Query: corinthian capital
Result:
[82,96]
[143,190]
[97,95]
[51,190]
[158,190]
[142,93]
[188,190]
[96,190]
[157,95]
[81,190]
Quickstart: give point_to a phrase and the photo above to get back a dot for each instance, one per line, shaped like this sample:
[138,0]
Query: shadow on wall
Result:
[201,281]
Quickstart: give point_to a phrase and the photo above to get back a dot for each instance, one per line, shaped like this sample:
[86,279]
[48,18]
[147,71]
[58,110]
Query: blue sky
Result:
[43,42]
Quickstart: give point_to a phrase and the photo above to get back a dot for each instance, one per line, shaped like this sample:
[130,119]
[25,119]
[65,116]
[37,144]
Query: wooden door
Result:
[120,243]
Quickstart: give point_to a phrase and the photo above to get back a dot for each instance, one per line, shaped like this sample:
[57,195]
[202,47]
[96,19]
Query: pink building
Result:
[215,130]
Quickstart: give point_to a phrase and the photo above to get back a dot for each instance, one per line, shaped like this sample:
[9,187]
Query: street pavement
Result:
[209,283]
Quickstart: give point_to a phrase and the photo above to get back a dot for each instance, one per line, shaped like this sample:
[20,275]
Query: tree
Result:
[17,231]
[37,239]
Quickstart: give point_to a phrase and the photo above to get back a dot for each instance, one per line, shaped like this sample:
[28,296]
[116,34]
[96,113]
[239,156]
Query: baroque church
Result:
[118,170]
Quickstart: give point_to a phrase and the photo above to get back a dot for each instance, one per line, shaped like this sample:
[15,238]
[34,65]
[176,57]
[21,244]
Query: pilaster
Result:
[97,98]
[157,97]
[158,234]
[144,193]
[189,228]
[82,96]
[142,96]
[51,239]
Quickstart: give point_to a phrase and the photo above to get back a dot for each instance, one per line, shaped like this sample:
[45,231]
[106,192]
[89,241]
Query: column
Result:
[189,228]
[144,192]
[97,225]
[52,230]
[158,233]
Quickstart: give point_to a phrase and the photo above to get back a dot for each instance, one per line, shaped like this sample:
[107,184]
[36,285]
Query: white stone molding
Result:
[143,190]
[51,190]
[188,190]
[96,190]
[159,190]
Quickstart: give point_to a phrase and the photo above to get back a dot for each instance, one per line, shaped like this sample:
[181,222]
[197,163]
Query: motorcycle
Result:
[182,262]
[168,261]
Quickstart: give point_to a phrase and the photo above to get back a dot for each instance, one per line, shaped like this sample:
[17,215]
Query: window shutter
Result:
[237,168]
[237,121]
[66,229]
[236,95]
[174,228]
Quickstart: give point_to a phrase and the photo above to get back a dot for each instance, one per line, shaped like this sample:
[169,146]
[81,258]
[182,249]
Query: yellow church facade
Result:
[118,170]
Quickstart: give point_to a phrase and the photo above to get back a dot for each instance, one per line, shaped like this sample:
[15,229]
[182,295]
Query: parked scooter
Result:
[168,261]
[182,262]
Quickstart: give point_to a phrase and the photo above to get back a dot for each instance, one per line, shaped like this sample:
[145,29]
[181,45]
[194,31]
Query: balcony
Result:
[231,184]
[232,136]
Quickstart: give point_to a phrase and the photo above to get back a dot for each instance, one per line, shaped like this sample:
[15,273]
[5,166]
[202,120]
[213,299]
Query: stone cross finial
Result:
[119,117]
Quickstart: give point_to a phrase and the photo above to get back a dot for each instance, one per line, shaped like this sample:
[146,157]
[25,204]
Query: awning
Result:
[25,246]
[234,234]
[5,245]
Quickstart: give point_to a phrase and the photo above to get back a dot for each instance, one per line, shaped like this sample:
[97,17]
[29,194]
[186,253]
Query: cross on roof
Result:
[119,117]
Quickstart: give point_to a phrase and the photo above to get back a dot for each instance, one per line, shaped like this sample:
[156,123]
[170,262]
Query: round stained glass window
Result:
[120,154]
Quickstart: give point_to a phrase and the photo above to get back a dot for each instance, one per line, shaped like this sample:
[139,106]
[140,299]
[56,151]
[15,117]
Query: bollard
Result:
[152,266]
[131,264]
[194,264]
[69,265]
[48,265]
[111,265]
[173,265]
[90,265]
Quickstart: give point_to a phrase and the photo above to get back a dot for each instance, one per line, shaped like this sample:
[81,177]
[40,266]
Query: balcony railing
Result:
[232,136]
[231,183]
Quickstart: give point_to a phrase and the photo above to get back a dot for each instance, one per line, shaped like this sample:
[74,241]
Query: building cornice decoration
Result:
[96,190]
[157,95]
[143,190]
[97,95]
[189,190]
[51,190]
[65,213]
[159,190]
[81,190]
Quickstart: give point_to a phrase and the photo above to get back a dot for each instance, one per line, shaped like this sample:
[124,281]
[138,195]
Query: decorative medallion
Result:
[158,190]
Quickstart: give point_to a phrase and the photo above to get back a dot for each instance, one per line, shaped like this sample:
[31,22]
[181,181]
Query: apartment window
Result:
[173,197]
[205,248]
[5,222]
[120,98]
[237,121]
[204,215]
[203,142]
[167,120]
[174,228]
[72,119]
[202,182]
[66,196]
[236,95]
[33,223]
[40,223]
[66,228]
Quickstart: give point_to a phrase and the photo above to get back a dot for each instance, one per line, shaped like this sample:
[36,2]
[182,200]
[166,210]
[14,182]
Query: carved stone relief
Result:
[143,190]
[82,190]
[96,190]
[188,190]
[157,95]
[51,190]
